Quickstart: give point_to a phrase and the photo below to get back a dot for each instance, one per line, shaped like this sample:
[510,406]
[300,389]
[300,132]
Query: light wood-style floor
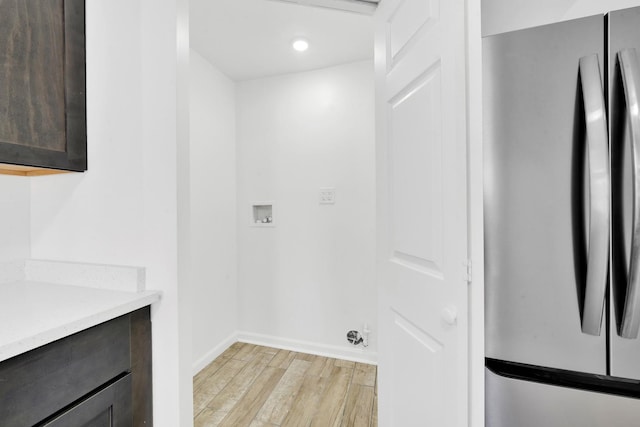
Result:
[250,385]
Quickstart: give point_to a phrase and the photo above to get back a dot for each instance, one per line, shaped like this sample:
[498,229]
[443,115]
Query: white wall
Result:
[125,209]
[213,210]
[98,216]
[15,210]
[499,16]
[310,279]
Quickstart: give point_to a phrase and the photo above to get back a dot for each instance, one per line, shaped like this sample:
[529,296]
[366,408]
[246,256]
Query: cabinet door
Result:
[42,84]
[41,382]
[109,407]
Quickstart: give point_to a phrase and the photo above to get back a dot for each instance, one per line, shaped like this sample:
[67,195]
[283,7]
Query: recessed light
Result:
[300,45]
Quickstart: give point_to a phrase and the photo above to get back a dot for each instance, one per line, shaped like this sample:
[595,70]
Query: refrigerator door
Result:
[511,402]
[624,37]
[537,178]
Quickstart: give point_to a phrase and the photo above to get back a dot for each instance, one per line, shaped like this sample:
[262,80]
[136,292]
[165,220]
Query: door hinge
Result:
[467,270]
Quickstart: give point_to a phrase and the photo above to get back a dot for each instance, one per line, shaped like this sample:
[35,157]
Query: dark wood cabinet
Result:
[42,86]
[109,407]
[97,377]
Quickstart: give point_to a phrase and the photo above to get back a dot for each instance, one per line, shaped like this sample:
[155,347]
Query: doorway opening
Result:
[297,129]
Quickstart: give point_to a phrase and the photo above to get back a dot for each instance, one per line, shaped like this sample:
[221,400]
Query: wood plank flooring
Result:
[256,386]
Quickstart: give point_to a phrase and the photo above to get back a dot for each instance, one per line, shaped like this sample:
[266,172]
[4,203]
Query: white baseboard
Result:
[200,364]
[355,354]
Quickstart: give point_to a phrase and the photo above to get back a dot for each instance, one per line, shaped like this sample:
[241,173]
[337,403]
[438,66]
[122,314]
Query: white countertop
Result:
[36,313]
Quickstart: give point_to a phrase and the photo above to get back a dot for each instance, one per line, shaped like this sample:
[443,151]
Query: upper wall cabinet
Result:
[42,86]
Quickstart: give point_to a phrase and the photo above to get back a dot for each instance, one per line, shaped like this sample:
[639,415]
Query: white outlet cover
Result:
[327,196]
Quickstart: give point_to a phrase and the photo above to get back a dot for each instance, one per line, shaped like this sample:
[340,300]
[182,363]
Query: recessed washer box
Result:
[262,214]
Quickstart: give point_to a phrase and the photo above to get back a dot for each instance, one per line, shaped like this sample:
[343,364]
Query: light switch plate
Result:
[327,196]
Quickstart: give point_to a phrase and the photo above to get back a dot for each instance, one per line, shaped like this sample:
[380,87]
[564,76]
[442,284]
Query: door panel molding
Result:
[406,25]
[421,265]
[417,334]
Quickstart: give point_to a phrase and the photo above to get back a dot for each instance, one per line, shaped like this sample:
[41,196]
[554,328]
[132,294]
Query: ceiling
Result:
[248,39]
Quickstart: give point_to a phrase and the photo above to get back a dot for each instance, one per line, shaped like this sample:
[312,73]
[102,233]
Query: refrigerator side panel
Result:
[536,194]
[511,402]
[623,33]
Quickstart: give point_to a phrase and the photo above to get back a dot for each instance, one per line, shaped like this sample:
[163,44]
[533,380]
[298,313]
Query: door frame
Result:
[475,214]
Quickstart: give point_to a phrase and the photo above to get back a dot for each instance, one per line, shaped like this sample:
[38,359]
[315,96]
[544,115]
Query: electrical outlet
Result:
[327,196]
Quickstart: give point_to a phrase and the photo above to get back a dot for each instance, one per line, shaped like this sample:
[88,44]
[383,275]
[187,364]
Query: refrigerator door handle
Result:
[599,194]
[628,59]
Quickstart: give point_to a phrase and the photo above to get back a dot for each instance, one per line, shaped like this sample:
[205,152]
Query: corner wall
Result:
[126,209]
[307,281]
[213,211]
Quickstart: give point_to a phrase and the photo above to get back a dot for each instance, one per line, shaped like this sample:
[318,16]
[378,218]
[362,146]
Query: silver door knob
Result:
[449,315]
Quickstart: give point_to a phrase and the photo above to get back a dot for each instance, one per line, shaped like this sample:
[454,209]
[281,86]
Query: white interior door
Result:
[422,213]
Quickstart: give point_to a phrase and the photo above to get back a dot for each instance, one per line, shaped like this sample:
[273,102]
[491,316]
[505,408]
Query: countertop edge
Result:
[138,300]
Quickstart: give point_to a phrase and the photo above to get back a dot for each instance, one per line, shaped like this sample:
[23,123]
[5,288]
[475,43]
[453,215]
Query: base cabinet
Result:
[97,377]
[110,407]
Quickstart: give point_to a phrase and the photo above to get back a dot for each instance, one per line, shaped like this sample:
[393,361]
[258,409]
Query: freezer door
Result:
[511,402]
[537,197]
[624,36]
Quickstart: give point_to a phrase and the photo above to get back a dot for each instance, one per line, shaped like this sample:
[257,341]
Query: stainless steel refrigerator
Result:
[562,223]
